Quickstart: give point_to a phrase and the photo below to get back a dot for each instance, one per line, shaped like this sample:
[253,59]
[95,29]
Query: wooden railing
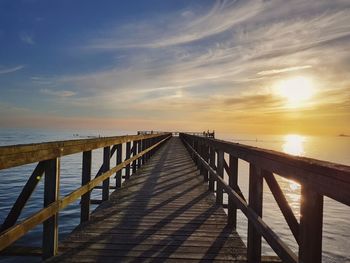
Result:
[317,179]
[139,148]
[177,133]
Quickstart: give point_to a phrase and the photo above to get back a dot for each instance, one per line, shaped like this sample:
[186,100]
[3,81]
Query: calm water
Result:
[336,231]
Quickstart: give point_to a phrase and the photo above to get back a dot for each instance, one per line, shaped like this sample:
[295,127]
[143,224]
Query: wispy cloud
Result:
[10,70]
[179,28]
[58,93]
[282,70]
[27,38]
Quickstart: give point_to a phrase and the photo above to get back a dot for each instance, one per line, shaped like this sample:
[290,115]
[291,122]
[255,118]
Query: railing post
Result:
[139,149]
[106,167]
[119,158]
[220,171]
[127,153]
[143,147]
[206,158]
[310,233]
[255,202]
[51,194]
[201,153]
[134,151]
[196,149]
[212,164]
[232,181]
[85,178]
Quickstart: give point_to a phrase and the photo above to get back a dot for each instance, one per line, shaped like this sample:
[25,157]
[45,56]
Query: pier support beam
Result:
[220,172]
[212,164]
[86,177]
[255,202]
[128,154]
[51,194]
[232,181]
[310,233]
[106,167]
[119,158]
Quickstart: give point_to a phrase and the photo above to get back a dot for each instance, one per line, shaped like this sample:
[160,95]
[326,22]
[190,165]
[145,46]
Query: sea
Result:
[336,216]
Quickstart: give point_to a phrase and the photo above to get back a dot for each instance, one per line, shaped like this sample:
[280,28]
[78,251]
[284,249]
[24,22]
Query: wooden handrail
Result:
[48,215]
[278,245]
[16,155]
[329,179]
[317,179]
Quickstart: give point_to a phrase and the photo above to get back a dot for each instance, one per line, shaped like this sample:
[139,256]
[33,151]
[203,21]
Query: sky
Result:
[272,67]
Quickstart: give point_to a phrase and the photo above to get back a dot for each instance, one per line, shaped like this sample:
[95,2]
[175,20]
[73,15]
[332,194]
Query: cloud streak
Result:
[58,93]
[282,70]
[10,70]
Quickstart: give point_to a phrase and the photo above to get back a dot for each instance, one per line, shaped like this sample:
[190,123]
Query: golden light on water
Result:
[297,90]
[293,144]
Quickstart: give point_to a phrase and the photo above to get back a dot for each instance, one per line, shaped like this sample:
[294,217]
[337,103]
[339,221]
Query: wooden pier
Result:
[168,200]
[164,212]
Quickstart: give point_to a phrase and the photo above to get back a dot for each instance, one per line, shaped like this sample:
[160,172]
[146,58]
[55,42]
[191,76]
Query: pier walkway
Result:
[164,212]
[163,198]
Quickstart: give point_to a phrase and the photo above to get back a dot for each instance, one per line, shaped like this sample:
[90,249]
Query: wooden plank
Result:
[23,197]
[330,179]
[212,164]
[311,218]
[206,158]
[15,155]
[85,178]
[255,203]
[127,156]
[106,167]
[281,249]
[233,183]
[220,172]
[51,195]
[119,158]
[141,223]
[139,149]
[134,152]
[14,233]
[282,203]
[235,187]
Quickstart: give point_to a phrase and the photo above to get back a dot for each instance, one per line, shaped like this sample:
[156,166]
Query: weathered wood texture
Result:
[15,155]
[163,213]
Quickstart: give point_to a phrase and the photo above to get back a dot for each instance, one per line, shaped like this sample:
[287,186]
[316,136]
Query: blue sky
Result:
[173,64]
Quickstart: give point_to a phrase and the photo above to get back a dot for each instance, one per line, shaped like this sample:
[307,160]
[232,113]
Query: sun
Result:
[297,90]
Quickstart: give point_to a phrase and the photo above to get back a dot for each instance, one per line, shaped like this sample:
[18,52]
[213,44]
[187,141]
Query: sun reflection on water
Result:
[293,144]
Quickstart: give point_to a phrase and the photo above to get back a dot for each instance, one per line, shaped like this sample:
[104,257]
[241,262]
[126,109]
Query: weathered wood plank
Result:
[106,167]
[232,182]
[281,249]
[15,155]
[255,203]
[85,178]
[310,234]
[51,195]
[14,233]
[180,220]
[23,197]
[330,179]
[282,203]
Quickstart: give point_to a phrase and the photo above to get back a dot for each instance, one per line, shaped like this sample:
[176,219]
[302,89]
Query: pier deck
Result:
[164,212]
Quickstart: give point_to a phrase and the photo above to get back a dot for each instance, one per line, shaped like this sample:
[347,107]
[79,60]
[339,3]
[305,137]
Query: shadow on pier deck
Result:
[164,212]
